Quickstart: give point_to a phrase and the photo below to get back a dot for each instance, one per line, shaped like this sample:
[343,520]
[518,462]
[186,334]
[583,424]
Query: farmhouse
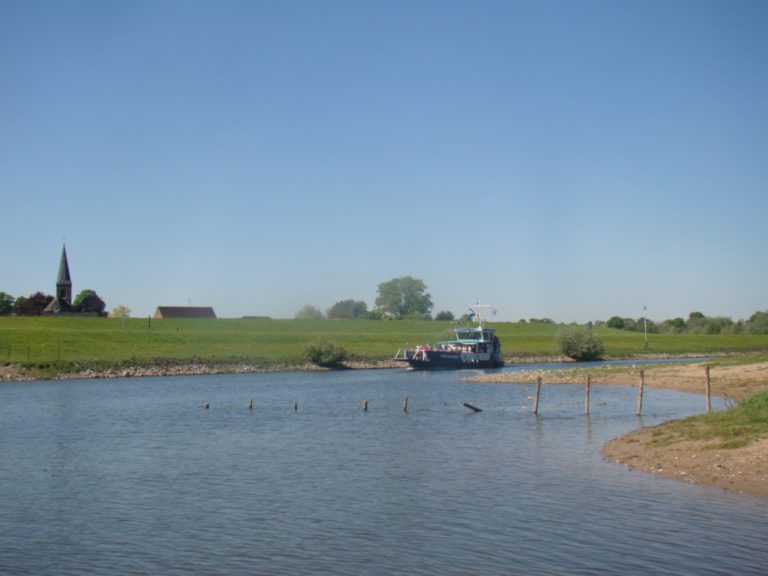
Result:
[185,312]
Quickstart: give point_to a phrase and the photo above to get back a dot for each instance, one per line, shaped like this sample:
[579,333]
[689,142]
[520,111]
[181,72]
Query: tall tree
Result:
[89,301]
[404,296]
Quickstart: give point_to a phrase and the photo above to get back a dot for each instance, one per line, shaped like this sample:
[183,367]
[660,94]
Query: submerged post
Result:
[295,405]
[586,400]
[709,389]
[536,397]
[639,409]
[250,404]
[472,407]
[365,405]
[405,404]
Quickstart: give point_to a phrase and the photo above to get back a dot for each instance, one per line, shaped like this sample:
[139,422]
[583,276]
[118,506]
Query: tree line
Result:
[697,323]
[400,298]
[86,302]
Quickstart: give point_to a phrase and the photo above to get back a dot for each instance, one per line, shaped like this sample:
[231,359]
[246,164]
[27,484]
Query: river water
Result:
[134,477]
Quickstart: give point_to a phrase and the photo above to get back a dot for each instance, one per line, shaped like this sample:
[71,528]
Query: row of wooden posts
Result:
[640,391]
[471,406]
[363,405]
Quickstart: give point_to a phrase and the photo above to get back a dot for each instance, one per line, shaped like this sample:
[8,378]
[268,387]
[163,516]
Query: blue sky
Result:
[562,159]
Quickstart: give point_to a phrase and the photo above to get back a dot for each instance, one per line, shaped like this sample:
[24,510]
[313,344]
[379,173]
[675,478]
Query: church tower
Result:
[64,282]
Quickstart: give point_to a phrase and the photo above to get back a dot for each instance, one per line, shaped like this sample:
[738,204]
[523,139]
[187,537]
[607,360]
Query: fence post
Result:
[640,394]
[536,398]
[586,401]
[709,389]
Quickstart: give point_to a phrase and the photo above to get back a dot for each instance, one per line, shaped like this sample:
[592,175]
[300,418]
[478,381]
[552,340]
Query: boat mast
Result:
[477,309]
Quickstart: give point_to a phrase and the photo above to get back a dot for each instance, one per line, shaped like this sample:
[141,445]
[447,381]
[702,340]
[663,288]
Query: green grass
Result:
[43,341]
[735,427]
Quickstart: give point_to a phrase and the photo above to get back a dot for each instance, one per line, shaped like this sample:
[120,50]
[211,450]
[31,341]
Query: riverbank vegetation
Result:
[735,427]
[73,343]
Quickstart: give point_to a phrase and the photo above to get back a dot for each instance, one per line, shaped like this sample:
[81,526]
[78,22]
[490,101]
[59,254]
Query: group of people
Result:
[464,349]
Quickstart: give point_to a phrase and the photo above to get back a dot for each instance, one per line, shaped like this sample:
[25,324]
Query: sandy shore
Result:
[740,469]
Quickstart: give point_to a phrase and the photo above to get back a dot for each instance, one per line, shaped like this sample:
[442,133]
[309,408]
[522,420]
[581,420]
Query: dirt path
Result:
[739,469]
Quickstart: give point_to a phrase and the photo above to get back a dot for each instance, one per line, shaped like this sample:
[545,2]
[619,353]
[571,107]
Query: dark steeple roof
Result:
[64,278]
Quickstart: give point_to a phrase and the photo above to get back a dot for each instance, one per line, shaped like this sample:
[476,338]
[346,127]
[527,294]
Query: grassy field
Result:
[39,341]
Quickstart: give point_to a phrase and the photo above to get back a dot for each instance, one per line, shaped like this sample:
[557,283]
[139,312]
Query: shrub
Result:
[579,343]
[325,353]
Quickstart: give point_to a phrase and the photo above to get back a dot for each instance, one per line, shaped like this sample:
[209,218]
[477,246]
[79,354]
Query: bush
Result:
[579,343]
[325,353]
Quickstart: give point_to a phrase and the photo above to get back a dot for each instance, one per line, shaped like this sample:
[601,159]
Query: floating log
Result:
[472,407]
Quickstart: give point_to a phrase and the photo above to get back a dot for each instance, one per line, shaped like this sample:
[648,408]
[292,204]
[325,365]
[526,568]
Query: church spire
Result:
[64,281]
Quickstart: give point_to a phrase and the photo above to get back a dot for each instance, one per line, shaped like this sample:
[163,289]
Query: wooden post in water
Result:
[536,398]
[405,404]
[295,405]
[365,405]
[709,389]
[639,409]
[250,404]
[586,401]
[472,407]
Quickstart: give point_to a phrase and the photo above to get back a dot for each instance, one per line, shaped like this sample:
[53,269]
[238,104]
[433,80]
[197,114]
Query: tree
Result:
[120,312]
[309,312]
[34,305]
[89,302]
[403,297]
[6,304]
[758,323]
[444,315]
[674,325]
[615,322]
[347,309]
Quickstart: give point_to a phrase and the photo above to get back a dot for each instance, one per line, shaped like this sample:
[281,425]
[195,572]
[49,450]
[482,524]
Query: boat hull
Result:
[442,360]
